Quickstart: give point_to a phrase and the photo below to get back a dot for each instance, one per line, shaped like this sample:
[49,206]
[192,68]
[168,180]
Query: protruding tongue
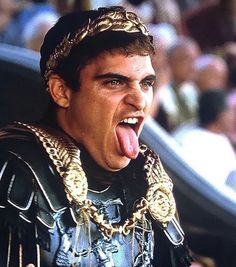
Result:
[128,141]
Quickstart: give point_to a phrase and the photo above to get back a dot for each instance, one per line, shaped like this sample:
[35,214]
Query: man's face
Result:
[183,63]
[108,111]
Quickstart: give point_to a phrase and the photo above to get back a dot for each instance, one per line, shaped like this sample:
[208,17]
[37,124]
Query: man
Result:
[35,30]
[178,98]
[207,140]
[211,72]
[77,189]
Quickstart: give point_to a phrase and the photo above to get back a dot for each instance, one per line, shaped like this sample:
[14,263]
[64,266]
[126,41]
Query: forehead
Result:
[120,63]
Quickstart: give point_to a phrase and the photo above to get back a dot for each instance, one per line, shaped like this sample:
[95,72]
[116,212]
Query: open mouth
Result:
[127,133]
[134,123]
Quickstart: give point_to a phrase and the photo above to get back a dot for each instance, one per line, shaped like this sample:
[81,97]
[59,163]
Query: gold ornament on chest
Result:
[158,201]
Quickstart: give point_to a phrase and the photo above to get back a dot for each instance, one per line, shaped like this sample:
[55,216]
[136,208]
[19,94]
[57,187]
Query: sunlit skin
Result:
[112,87]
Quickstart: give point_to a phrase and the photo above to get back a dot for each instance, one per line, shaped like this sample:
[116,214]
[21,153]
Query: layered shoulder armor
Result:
[30,189]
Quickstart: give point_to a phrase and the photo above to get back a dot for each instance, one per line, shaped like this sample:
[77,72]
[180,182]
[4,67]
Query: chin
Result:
[121,164]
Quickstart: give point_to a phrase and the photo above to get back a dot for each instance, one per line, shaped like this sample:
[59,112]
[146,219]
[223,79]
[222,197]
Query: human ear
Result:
[59,91]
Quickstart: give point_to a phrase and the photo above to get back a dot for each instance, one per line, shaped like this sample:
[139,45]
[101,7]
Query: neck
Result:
[98,177]
[214,128]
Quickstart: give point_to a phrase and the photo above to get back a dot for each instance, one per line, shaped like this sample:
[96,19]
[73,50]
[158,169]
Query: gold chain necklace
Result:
[158,201]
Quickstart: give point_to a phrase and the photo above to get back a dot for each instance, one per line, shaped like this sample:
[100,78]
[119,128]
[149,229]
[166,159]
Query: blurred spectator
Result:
[232,132]
[168,12]
[35,30]
[5,13]
[8,10]
[143,8]
[81,5]
[211,72]
[229,53]
[62,6]
[65,6]
[151,11]
[98,3]
[206,145]
[211,24]
[178,99]
[164,35]
[13,32]
[185,5]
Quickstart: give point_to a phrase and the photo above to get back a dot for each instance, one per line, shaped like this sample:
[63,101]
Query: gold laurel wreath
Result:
[117,20]
[158,201]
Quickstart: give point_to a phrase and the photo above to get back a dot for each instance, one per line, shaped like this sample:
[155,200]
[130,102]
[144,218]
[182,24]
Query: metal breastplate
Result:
[84,245]
[71,232]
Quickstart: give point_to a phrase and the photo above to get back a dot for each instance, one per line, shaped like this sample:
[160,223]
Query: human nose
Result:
[136,97]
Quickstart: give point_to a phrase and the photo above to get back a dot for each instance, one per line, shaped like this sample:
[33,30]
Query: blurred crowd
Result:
[195,96]
[195,62]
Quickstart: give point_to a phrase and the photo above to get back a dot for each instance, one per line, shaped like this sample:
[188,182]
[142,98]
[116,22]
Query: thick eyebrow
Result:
[122,77]
[150,77]
[113,76]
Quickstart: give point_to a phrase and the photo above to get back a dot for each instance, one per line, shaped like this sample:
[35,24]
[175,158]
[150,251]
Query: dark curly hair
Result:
[211,104]
[107,41]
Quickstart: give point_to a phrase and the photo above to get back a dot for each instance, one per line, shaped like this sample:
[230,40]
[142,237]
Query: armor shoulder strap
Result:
[163,208]
[26,178]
